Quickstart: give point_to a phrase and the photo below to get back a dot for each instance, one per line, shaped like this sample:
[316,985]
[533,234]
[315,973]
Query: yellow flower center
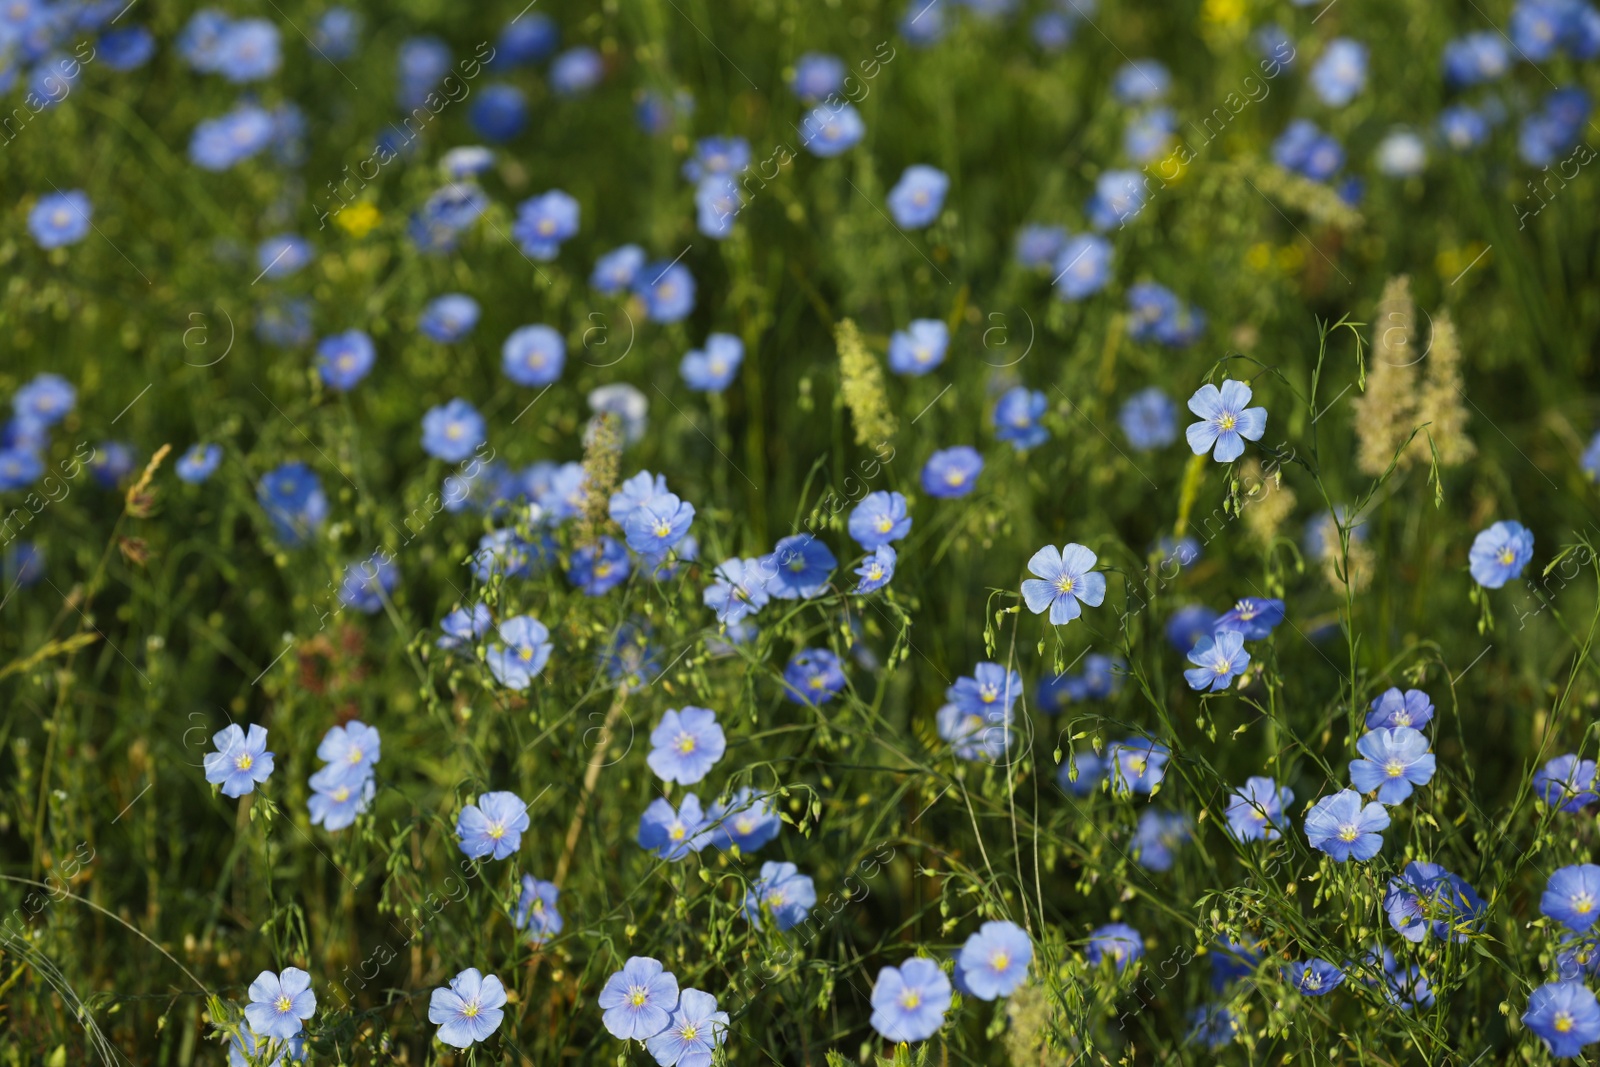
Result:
[1583,903]
[637,996]
[1226,421]
[689,1031]
[1348,833]
[1507,556]
[454,431]
[496,831]
[282,1004]
[525,654]
[547,227]
[341,794]
[677,831]
[1394,768]
[470,1009]
[355,756]
[1065,583]
[874,572]
[685,744]
[1563,1022]
[816,682]
[885,524]
[954,478]
[910,999]
[1000,961]
[1137,766]
[663,528]
[602,570]
[1402,718]
[244,762]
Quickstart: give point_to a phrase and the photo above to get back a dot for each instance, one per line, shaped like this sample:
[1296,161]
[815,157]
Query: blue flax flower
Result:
[533,355]
[1408,988]
[498,112]
[976,734]
[250,1049]
[1137,765]
[1340,826]
[1064,580]
[469,1009]
[1038,246]
[694,1032]
[344,359]
[717,155]
[817,75]
[1256,810]
[799,567]
[449,318]
[524,653]
[1140,81]
[951,472]
[670,834]
[199,463]
[240,762]
[543,222]
[1016,418]
[536,910]
[919,347]
[832,129]
[994,961]
[576,71]
[1314,977]
[1500,553]
[1253,617]
[368,583]
[1340,72]
[686,744]
[462,627]
[813,676]
[876,570]
[638,1000]
[782,892]
[60,219]
[280,1003]
[667,290]
[293,499]
[1217,660]
[1393,762]
[879,518]
[909,1001]
[1426,897]
[916,199]
[635,493]
[1150,419]
[712,369]
[615,271]
[493,826]
[654,529]
[451,431]
[1566,1015]
[1212,1026]
[1393,708]
[1089,768]
[745,819]
[354,748]
[598,568]
[1572,897]
[1159,836]
[1083,266]
[337,798]
[1118,942]
[46,399]
[1225,422]
[1567,783]
[739,590]
[990,688]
